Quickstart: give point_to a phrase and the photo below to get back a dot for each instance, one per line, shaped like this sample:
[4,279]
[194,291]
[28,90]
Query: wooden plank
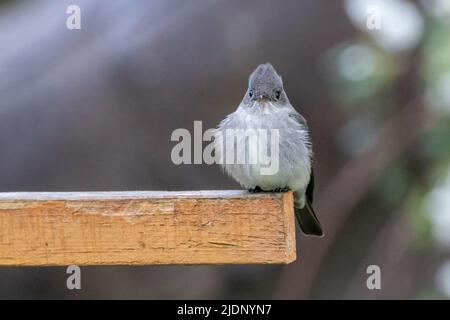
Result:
[146,228]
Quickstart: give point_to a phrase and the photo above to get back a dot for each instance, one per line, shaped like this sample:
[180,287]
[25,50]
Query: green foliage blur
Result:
[364,78]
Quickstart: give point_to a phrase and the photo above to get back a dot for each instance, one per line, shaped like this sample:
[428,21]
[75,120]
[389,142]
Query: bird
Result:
[265,106]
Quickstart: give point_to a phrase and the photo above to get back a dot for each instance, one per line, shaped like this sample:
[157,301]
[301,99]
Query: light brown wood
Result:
[145,228]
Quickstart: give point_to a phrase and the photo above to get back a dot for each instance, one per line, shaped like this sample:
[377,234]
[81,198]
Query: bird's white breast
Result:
[294,151]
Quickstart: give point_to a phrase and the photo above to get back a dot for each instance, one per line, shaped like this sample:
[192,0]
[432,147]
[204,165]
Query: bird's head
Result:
[265,85]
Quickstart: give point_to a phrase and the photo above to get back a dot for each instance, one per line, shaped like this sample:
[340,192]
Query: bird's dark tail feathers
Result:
[308,221]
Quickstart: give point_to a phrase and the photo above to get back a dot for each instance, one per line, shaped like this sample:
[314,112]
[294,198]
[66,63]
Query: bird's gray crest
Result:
[264,78]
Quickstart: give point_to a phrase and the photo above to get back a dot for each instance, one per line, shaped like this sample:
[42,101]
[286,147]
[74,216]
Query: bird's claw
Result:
[285,189]
[258,189]
[255,190]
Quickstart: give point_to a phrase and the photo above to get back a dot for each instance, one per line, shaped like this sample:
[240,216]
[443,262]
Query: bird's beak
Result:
[263,98]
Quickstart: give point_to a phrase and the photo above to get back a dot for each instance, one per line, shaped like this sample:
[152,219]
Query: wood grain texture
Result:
[146,228]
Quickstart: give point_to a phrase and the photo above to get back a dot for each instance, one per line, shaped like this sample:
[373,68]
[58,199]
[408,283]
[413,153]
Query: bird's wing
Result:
[302,121]
[299,118]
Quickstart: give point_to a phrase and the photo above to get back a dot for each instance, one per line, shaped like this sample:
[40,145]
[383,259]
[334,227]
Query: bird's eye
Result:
[250,93]
[277,94]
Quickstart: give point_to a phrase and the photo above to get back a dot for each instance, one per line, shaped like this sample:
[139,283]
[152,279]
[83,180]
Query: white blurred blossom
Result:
[356,62]
[401,24]
[443,278]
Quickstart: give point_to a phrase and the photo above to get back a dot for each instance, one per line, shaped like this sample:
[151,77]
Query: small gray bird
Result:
[266,106]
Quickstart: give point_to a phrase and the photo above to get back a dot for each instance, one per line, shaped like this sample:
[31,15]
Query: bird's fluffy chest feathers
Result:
[293,156]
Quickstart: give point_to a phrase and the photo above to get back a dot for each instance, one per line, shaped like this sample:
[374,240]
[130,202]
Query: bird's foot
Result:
[285,189]
[255,190]
[258,189]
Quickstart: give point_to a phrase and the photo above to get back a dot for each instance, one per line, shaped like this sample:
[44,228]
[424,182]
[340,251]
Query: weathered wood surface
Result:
[146,228]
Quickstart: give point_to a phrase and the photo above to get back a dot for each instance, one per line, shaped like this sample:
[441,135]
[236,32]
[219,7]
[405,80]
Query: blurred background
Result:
[93,109]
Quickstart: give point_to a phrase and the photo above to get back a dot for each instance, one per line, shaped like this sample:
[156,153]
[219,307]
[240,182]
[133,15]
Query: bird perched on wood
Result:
[266,106]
